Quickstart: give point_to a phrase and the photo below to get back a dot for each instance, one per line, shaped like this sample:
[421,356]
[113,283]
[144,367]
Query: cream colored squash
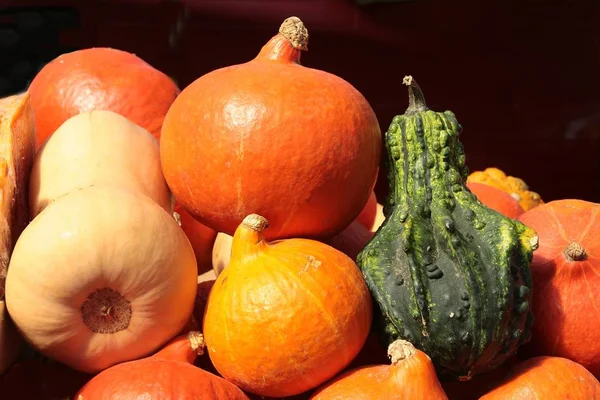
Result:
[101,276]
[97,147]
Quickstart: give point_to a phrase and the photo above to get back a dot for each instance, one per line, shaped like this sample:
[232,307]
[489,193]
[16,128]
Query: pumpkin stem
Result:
[197,342]
[400,350]
[416,99]
[255,222]
[575,252]
[295,32]
[106,311]
[184,348]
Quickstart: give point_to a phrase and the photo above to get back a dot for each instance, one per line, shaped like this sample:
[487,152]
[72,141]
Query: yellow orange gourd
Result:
[285,316]
[516,187]
[102,275]
[93,148]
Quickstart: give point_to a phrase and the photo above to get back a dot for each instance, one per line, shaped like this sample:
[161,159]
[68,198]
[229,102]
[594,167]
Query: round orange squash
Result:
[100,79]
[97,148]
[516,187]
[101,276]
[566,282]
[410,376]
[168,374]
[285,316]
[546,378]
[496,199]
[295,144]
[201,237]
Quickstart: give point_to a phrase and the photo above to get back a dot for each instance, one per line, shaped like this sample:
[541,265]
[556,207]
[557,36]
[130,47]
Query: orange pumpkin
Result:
[368,215]
[295,144]
[410,376]
[285,316]
[100,79]
[496,199]
[168,374]
[201,237]
[566,283]
[547,378]
[516,187]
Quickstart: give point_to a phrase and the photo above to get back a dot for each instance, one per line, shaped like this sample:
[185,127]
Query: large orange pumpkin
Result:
[285,316]
[566,281]
[547,378]
[295,144]
[100,79]
[168,374]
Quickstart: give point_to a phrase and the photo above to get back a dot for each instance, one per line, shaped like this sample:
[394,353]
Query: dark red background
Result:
[523,77]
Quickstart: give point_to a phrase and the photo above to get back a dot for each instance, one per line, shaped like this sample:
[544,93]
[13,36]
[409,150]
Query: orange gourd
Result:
[496,199]
[295,144]
[547,378]
[410,376]
[566,282]
[103,275]
[168,374]
[285,316]
[516,187]
[100,79]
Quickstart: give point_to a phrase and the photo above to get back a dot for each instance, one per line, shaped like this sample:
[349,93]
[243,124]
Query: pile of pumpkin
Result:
[224,242]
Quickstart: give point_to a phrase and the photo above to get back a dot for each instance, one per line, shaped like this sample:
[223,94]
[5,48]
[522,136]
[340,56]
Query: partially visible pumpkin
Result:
[100,79]
[168,374]
[351,240]
[478,385]
[295,144]
[516,187]
[368,215]
[285,316]
[101,276]
[95,148]
[496,199]
[16,157]
[566,281]
[547,378]
[201,237]
[410,376]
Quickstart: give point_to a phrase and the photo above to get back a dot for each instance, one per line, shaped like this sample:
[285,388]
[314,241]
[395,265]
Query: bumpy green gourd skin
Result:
[447,273]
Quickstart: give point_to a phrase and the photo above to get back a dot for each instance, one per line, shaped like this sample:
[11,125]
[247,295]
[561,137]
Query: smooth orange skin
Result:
[100,79]
[201,237]
[286,316]
[412,378]
[296,145]
[566,294]
[547,378]
[496,199]
[368,215]
[167,375]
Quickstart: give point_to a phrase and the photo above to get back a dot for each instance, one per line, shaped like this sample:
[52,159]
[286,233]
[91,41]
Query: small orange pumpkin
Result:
[516,187]
[496,199]
[411,376]
[547,378]
[168,374]
[285,316]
